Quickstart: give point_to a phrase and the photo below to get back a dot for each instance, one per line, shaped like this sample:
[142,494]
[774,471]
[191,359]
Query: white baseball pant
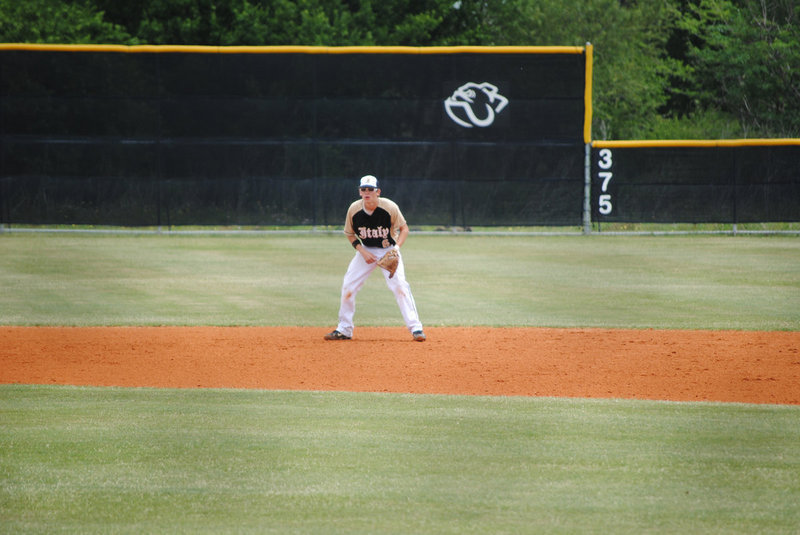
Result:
[357,273]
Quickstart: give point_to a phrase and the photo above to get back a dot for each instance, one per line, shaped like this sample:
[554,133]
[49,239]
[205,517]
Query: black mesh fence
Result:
[185,138]
[696,184]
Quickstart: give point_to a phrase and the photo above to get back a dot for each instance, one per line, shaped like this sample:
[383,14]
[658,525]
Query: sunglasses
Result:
[367,189]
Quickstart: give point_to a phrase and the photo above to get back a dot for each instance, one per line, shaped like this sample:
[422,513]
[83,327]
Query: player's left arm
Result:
[402,234]
[399,226]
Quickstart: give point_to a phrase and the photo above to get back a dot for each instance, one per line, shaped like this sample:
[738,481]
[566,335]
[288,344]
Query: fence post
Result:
[587,189]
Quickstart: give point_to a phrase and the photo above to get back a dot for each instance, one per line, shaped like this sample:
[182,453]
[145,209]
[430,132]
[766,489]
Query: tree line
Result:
[663,69]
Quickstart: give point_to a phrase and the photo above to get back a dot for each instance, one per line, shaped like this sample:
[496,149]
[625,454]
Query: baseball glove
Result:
[389,261]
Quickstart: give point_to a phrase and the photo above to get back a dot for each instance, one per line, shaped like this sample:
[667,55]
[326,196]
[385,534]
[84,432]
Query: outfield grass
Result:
[710,282]
[101,460]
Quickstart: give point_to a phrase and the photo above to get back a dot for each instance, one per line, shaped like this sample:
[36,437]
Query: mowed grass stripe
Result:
[106,460]
[680,282]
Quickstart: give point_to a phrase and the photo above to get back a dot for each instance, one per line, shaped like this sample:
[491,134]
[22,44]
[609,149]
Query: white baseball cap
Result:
[368,181]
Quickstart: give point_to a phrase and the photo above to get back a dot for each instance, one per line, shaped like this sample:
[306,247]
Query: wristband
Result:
[356,244]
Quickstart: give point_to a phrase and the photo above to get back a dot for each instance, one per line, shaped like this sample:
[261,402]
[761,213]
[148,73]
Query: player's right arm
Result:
[369,258]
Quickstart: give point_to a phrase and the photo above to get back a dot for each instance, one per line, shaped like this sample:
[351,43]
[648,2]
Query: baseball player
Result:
[374,225]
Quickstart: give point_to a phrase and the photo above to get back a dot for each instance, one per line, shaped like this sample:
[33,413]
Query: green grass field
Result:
[106,460]
[169,461]
[706,282]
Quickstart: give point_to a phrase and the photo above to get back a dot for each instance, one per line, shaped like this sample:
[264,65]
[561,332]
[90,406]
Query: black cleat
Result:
[336,335]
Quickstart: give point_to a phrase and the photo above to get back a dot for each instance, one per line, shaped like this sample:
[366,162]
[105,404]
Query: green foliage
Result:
[57,21]
[744,58]
[701,124]
[284,22]
[281,22]
[192,22]
[631,68]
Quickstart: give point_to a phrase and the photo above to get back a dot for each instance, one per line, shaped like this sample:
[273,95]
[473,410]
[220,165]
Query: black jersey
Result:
[378,229]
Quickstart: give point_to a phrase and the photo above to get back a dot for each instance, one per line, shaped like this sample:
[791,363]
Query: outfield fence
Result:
[461,137]
[693,181]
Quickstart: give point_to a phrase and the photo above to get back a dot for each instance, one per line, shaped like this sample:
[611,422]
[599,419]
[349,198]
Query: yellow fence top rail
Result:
[202,49]
[694,143]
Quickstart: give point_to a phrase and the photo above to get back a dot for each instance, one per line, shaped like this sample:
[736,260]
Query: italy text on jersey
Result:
[380,232]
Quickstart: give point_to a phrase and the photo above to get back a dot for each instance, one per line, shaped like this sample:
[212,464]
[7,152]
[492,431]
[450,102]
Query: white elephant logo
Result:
[475,104]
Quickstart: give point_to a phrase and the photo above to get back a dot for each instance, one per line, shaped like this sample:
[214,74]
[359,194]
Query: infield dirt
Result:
[728,366]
